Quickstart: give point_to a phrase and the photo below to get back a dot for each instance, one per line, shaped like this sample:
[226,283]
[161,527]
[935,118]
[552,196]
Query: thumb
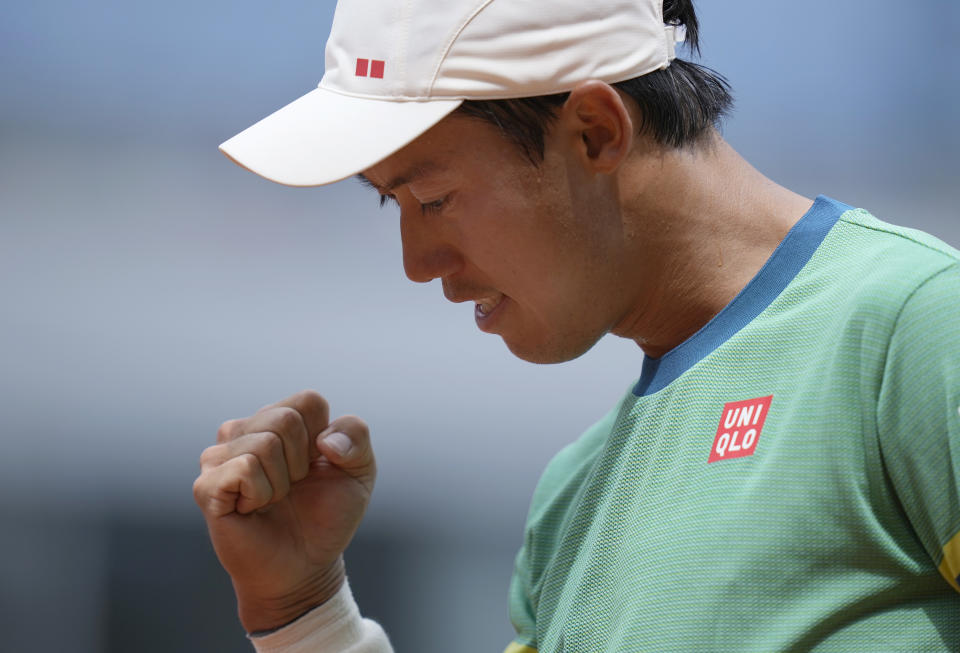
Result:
[346,444]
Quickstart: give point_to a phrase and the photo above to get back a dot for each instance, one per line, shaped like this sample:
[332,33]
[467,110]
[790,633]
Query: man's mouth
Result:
[487,310]
[486,306]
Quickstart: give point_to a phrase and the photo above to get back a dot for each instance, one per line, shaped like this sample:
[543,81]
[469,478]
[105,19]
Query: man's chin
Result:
[547,353]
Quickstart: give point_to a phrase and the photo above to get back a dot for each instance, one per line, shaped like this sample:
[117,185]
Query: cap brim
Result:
[324,136]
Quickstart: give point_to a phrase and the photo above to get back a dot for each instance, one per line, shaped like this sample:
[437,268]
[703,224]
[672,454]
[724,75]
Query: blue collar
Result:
[779,270]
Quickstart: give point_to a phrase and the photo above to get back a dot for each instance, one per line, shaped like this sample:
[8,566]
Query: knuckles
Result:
[269,444]
[228,430]
[248,465]
[199,491]
[312,401]
[312,398]
[245,442]
[287,421]
[212,456]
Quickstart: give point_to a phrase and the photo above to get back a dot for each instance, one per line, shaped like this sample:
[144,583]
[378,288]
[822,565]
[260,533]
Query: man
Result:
[784,474]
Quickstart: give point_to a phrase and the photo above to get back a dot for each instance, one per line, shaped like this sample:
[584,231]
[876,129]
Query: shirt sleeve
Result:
[334,627]
[919,416]
[521,610]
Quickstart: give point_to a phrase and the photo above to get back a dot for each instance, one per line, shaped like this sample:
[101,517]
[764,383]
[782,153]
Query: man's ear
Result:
[597,117]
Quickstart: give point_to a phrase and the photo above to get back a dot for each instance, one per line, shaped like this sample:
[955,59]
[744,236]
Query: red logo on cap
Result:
[373,67]
[739,429]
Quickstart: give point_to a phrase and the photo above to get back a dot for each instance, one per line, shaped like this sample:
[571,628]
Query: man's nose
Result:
[426,254]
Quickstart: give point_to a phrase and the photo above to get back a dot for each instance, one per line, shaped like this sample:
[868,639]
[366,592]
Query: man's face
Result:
[537,249]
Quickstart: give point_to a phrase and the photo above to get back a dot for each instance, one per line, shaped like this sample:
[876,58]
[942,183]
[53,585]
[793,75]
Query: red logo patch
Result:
[739,429]
[374,67]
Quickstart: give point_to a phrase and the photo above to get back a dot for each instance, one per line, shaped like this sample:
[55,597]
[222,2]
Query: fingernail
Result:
[339,443]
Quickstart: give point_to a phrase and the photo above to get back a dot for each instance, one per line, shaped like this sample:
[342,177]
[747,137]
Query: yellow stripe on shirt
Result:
[950,567]
[513,647]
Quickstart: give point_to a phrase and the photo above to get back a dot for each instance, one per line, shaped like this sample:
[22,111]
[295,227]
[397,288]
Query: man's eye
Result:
[433,207]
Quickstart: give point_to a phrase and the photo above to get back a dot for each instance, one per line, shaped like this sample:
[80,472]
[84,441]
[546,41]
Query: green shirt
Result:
[786,479]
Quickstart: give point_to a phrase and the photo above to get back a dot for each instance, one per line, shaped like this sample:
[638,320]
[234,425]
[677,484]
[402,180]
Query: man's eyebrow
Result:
[408,176]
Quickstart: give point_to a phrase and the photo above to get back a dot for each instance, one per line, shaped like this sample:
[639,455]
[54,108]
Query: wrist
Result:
[261,614]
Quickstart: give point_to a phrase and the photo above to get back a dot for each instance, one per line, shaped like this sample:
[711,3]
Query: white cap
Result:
[395,68]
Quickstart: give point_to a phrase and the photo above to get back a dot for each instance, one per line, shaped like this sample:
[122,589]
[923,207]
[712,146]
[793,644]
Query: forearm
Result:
[334,627]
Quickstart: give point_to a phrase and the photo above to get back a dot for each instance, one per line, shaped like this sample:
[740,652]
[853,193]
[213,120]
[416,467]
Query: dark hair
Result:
[679,103]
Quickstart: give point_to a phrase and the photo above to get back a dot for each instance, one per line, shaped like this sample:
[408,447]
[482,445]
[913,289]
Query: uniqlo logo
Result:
[370,67]
[739,429]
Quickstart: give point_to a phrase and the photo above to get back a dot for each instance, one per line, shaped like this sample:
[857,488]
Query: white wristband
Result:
[336,626]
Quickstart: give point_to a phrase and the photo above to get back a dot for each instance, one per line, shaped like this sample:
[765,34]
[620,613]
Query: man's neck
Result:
[703,222]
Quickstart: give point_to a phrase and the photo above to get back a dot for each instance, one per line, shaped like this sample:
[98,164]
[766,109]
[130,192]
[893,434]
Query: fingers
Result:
[311,406]
[237,485]
[258,458]
[291,432]
[294,420]
[266,450]
[346,444]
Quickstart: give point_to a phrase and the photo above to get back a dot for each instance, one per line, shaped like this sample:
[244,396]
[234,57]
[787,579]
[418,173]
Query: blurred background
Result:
[151,290]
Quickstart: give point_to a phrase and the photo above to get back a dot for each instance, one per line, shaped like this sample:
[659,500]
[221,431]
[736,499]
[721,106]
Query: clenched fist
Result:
[283,492]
